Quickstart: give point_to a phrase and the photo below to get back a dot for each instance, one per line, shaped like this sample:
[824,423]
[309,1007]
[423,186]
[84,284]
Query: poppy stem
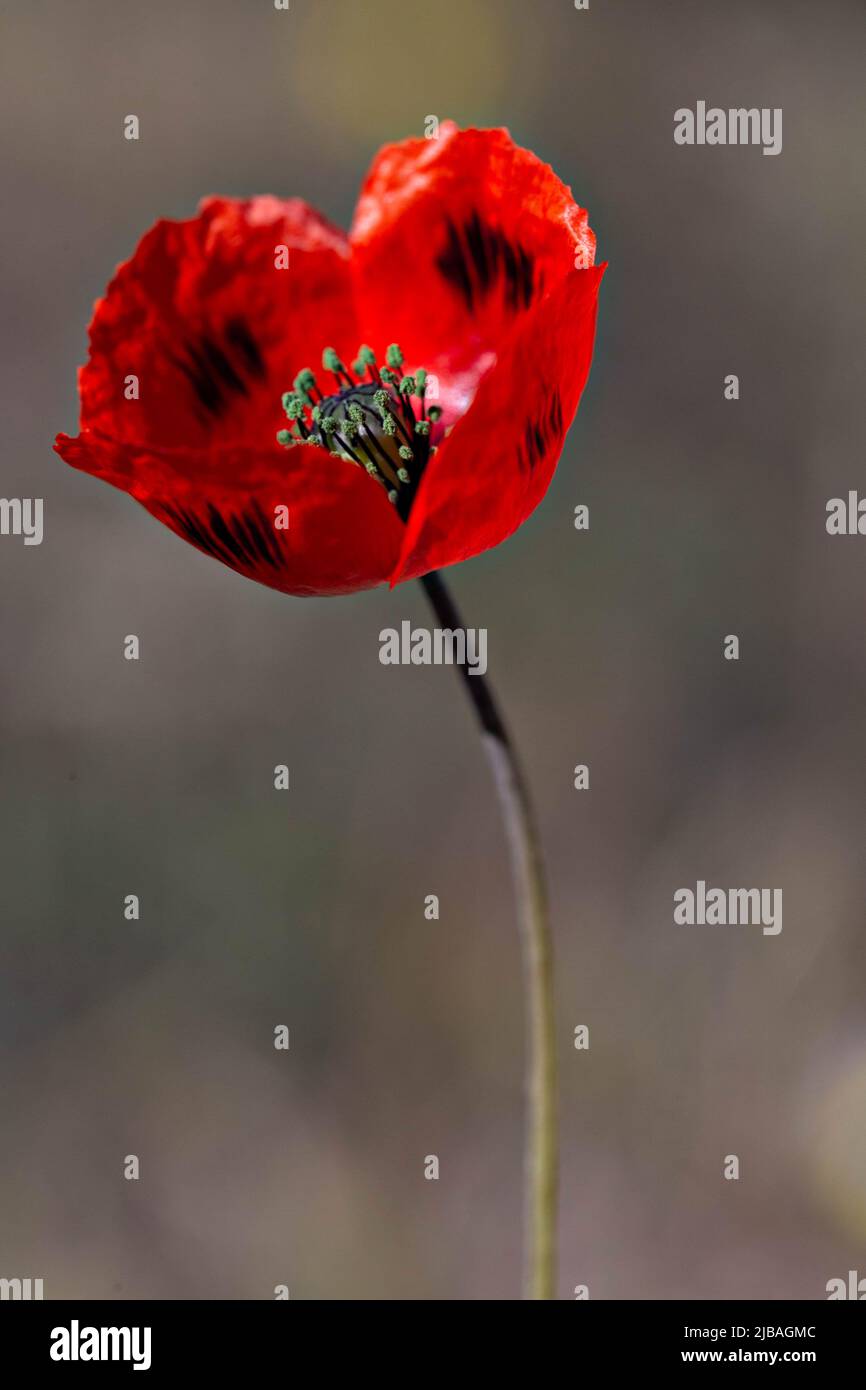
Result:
[537,949]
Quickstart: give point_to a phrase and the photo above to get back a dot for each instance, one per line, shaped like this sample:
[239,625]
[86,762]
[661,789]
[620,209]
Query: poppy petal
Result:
[298,520]
[213,317]
[455,240]
[495,465]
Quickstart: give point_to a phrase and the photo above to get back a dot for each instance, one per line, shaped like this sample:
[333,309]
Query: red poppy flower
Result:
[465,250]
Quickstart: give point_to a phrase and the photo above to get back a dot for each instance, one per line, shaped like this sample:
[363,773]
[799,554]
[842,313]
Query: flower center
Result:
[377,417]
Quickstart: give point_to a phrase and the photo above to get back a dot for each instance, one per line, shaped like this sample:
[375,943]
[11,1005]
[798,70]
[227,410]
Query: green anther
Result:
[354,418]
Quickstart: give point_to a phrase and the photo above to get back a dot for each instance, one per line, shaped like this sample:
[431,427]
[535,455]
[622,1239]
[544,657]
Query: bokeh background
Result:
[306,908]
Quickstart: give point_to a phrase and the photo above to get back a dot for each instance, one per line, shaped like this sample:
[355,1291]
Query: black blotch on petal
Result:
[240,337]
[452,262]
[243,540]
[218,369]
[539,433]
[227,538]
[255,536]
[477,259]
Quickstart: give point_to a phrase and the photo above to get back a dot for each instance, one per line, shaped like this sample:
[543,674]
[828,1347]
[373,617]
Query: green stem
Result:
[537,951]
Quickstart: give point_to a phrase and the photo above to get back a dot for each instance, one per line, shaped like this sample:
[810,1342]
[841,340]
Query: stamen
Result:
[331,363]
[366,360]
[370,421]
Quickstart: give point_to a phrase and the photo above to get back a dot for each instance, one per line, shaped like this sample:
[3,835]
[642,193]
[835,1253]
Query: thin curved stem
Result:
[537,952]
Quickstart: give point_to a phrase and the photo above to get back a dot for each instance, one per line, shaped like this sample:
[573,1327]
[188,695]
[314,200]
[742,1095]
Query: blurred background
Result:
[707,518]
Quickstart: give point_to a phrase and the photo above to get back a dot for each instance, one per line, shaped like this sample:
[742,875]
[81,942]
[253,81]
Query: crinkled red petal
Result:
[456,240]
[232,503]
[495,466]
[213,326]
